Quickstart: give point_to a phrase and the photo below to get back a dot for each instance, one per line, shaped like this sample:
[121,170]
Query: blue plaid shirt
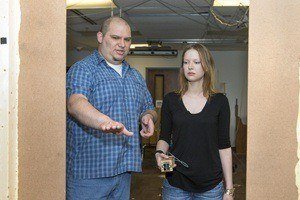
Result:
[92,153]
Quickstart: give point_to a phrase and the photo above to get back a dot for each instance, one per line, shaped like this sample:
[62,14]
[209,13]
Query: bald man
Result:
[106,98]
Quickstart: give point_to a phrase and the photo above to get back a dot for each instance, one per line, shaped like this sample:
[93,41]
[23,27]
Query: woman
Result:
[195,129]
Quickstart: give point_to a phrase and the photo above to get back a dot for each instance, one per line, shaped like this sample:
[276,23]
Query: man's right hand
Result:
[110,126]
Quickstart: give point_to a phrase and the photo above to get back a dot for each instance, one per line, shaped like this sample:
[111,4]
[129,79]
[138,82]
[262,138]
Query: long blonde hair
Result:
[208,66]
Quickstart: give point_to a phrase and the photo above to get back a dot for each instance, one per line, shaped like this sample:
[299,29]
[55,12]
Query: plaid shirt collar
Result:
[101,60]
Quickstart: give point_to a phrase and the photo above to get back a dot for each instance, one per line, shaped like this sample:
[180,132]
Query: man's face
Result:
[115,44]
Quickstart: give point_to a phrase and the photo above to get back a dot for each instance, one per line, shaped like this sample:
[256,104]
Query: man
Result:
[105,100]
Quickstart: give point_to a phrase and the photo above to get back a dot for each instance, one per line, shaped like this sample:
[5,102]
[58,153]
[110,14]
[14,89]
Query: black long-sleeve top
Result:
[196,140]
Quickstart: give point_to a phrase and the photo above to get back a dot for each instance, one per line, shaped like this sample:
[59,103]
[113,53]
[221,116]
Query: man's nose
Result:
[122,43]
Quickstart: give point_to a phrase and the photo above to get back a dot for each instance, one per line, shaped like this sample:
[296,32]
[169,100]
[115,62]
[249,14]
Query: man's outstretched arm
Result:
[79,107]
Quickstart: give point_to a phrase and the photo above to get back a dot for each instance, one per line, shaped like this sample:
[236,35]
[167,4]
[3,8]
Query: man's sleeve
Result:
[148,102]
[79,81]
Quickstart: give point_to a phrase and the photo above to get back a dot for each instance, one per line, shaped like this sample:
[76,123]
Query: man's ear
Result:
[99,37]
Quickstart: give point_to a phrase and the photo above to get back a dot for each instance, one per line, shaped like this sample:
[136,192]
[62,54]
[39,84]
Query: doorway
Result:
[160,81]
[272,141]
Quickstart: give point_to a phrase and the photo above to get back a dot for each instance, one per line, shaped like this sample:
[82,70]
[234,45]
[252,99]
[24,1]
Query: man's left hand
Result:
[147,126]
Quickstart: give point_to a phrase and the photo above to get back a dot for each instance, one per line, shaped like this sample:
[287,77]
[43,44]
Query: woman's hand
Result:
[159,157]
[227,197]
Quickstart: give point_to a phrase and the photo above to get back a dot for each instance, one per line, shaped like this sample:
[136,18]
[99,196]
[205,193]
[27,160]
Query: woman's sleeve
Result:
[166,121]
[224,124]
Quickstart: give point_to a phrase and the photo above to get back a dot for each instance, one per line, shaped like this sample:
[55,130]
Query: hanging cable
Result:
[111,10]
[218,18]
[200,14]
[208,22]
[125,14]
[164,4]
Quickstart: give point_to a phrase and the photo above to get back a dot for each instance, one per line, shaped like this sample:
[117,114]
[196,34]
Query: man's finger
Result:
[145,120]
[147,133]
[151,127]
[126,132]
[144,134]
[107,127]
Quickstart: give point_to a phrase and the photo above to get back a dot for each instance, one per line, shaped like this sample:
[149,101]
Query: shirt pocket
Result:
[136,93]
[105,94]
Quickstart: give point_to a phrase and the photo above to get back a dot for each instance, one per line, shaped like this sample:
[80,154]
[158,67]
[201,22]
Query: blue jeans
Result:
[116,187]
[174,193]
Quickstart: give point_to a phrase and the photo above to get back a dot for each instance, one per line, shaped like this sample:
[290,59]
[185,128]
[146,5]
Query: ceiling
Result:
[170,23]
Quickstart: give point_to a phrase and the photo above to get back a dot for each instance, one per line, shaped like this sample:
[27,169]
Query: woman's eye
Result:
[197,63]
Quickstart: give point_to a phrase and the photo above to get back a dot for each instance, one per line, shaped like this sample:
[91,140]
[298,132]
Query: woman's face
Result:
[192,67]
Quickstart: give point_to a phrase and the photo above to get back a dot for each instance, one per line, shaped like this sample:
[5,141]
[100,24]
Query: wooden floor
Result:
[148,184]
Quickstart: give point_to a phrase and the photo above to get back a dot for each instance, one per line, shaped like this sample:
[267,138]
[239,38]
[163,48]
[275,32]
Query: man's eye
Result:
[127,39]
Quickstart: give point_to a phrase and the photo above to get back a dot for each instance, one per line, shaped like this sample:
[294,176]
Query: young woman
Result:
[195,129]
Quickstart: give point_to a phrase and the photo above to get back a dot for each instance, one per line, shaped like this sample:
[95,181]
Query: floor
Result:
[148,184]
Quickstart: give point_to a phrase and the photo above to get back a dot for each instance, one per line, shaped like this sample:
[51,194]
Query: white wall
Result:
[74,56]
[143,62]
[4,102]
[10,20]
[231,67]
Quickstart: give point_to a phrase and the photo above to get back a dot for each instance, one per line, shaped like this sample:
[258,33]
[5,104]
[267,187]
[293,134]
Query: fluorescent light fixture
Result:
[231,3]
[133,46]
[154,52]
[89,4]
